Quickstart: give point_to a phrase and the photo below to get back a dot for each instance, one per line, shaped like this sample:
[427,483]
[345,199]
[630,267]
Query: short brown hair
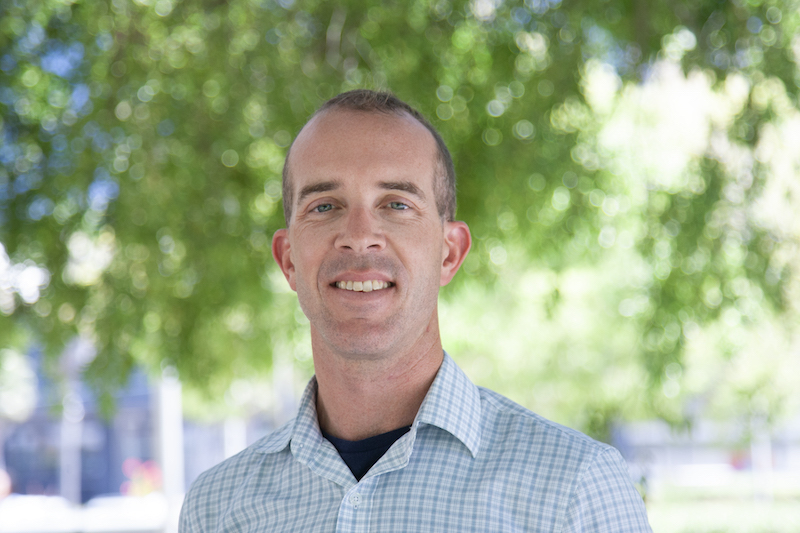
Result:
[444,183]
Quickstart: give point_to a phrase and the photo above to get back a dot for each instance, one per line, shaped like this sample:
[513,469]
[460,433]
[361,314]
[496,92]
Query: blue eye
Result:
[321,208]
[400,206]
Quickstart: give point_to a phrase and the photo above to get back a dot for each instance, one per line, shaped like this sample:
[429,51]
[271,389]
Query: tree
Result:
[143,144]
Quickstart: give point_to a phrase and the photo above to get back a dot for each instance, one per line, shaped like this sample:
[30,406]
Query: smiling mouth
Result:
[363,286]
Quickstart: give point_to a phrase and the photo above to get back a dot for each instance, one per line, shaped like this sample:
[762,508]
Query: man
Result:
[390,434]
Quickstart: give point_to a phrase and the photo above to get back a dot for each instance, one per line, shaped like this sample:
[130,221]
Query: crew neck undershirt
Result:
[361,455]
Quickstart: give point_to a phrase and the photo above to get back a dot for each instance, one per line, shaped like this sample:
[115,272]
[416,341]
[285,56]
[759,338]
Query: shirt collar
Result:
[452,403]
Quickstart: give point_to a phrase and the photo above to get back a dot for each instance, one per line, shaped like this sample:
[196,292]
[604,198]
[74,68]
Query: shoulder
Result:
[502,418]
[554,453]
[214,489]
[237,466]
[548,458]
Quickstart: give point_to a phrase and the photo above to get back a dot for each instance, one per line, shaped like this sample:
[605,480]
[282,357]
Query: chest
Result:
[446,491]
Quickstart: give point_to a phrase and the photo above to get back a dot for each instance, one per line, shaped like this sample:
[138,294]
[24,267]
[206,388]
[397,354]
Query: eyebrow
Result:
[406,186]
[325,186]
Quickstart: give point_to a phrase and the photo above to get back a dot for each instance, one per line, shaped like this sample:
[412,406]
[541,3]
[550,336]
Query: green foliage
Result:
[142,144]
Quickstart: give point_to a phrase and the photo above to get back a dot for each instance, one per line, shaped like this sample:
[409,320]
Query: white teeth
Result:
[363,286]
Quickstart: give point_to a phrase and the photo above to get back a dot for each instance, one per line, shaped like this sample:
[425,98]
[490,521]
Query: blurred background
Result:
[630,171]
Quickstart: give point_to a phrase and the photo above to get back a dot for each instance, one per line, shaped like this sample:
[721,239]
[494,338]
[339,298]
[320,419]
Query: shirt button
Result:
[354,500]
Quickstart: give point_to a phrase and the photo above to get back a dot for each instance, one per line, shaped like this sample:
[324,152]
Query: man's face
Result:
[366,250]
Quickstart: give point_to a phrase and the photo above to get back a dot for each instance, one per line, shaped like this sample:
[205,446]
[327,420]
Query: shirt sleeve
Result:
[184,525]
[605,500]
[189,521]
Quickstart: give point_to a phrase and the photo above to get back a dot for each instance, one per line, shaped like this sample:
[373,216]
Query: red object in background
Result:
[144,477]
[740,460]
[5,484]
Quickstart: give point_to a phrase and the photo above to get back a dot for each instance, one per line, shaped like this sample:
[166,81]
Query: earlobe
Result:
[281,252]
[457,242]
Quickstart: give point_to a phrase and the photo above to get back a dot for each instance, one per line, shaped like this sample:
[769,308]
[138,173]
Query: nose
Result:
[361,232]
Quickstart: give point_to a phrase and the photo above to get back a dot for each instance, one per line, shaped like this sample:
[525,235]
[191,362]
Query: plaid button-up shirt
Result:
[473,461]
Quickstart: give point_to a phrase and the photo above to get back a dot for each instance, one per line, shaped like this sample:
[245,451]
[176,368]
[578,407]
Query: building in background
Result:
[120,455]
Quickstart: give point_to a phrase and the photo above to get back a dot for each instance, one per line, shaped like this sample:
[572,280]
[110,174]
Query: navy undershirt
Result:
[360,455]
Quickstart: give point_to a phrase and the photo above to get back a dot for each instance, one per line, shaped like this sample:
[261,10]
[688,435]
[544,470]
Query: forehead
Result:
[366,146]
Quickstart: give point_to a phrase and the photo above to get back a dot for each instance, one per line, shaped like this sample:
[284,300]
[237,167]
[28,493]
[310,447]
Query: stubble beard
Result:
[361,339]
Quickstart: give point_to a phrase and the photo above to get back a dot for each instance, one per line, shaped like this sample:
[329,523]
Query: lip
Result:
[361,276]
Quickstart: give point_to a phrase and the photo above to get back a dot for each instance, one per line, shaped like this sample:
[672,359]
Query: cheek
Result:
[308,263]
[428,261]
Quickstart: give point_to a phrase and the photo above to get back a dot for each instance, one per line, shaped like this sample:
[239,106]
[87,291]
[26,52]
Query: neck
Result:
[361,398]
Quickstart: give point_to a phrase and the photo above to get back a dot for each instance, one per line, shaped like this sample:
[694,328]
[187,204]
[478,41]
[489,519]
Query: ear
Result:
[281,252]
[457,242]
